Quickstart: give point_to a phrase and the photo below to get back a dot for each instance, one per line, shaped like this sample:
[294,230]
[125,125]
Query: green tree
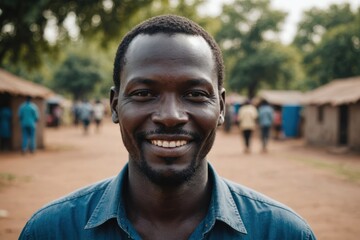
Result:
[316,22]
[336,56]
[330,42]
[77,76]
[23,24]
[253,58]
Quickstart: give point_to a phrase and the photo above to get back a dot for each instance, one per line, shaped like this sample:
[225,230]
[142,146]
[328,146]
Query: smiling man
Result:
[168,101]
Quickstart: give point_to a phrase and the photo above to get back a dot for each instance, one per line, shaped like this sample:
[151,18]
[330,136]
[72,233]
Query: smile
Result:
[169,144]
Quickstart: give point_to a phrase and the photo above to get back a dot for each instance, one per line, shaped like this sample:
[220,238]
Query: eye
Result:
[142,95]
[197,96]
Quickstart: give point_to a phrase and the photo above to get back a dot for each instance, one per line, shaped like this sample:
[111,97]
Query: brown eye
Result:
[142,95]
[197,96]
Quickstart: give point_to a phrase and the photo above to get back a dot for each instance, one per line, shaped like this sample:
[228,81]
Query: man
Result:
[28,115]
[168,100]
[247,122]
[266,116]
[99,111]
[86,113]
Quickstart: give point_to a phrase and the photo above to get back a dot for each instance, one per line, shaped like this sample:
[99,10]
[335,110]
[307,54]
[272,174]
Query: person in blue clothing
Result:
[86,114]
[266,117]
[28,116]
[168,100]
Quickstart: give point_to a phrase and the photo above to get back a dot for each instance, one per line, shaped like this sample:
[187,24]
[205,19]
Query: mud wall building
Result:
[332,114]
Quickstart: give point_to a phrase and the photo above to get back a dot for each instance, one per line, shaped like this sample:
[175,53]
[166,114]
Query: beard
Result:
[172,178]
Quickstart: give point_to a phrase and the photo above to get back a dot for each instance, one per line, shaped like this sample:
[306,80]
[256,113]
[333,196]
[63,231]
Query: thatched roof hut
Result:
[13,92]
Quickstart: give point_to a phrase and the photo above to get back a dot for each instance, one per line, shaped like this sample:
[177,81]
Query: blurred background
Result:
[302,57]
[275,50]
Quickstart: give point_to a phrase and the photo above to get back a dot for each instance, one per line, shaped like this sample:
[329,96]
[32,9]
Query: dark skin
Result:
[168,108]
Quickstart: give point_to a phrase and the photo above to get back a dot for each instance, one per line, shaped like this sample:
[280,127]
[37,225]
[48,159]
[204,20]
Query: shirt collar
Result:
[222,206]
[110,201]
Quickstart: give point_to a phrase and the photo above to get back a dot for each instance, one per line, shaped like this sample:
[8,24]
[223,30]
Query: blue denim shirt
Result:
[266,116]
[235,212]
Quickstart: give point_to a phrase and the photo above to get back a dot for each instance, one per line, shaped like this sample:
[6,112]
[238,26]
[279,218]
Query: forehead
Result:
[174,54]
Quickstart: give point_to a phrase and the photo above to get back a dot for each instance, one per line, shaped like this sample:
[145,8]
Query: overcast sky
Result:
[294,8]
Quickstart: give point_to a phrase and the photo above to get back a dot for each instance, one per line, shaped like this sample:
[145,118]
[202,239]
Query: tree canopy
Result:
[77,76]
[23,24]
[330,42]
[316,22]
[253,54]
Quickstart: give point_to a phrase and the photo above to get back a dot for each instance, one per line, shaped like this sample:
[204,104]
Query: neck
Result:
[155,203]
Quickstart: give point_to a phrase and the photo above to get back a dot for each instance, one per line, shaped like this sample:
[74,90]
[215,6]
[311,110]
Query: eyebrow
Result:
[141,81]
[198,81]
[138,80]
[148,81]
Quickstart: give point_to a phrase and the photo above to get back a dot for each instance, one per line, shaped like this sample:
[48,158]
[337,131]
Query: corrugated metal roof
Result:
[281,97]
[15,85]
[337,92]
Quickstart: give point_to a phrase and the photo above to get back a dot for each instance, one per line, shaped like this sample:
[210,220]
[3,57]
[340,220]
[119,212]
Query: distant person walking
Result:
[247,122]
[28,115]
[266,117]
[76,109]
[99,111]
[86,113]
[5,128]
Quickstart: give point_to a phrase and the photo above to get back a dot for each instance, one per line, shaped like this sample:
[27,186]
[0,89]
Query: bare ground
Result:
[322,186]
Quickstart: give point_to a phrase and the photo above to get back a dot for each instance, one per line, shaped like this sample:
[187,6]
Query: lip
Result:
[169,152]
[169,137]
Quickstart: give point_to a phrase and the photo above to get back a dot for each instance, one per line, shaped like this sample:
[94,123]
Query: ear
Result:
[113,104]
[222,107]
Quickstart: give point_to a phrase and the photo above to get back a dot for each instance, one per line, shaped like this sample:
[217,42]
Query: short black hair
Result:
[169,24]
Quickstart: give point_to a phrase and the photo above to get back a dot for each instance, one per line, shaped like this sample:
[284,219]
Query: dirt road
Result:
[323,187]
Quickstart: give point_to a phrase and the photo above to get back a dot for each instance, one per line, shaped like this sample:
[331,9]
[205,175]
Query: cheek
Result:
[131,117]
[130,121]
[207,119]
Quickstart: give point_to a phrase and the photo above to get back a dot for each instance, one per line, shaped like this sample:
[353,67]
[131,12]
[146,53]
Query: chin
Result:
[168,176]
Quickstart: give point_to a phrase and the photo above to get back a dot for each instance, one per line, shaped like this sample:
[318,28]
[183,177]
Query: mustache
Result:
[167,131]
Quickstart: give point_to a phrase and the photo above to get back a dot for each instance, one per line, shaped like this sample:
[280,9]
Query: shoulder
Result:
[34,106]
[257,210]
[68,210]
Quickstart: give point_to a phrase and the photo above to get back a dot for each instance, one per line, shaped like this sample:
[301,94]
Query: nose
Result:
[170,112]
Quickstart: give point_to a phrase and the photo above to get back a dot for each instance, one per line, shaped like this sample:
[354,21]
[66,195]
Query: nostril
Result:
[170,118]
[170,111]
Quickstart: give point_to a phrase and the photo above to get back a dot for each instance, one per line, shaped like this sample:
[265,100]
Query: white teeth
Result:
[168,144]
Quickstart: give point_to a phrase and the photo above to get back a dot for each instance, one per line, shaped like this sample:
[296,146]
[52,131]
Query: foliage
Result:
[336,56]
[330,42]
[316,22]
[77,75]
[23,24]
[252,56]
[186,8]
[95,41]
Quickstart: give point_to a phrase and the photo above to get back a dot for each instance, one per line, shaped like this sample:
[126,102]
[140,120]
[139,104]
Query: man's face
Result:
[168,105]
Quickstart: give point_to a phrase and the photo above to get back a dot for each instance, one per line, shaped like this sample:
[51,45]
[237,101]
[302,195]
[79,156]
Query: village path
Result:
[323,187]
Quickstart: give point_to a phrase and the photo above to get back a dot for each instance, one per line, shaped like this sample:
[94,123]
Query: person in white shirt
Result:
[99,110]
[247,122]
